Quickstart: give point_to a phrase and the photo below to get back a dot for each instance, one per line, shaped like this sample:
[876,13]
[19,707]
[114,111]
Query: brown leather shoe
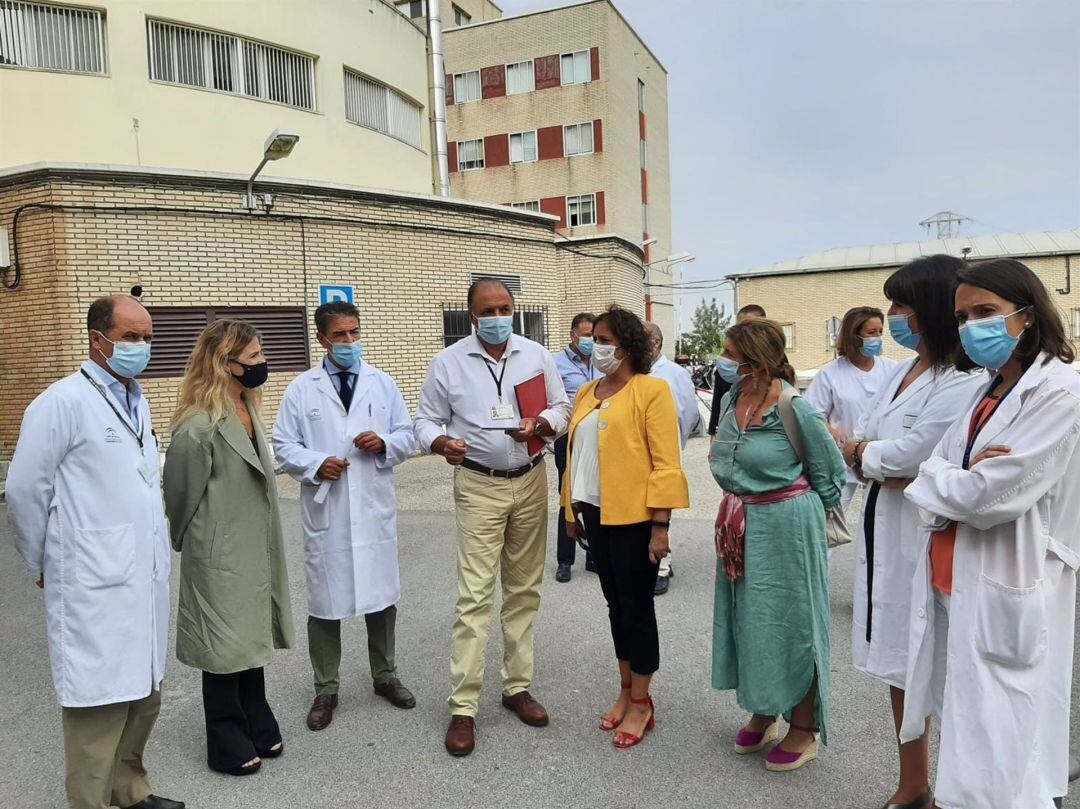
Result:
[528,709]
[322,712]
[395,693]
[461,736]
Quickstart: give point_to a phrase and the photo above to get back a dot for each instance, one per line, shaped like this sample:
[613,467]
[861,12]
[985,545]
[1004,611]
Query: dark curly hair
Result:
[630,333]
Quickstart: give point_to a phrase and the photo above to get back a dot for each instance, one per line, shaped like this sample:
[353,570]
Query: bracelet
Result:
[659,524]
[857,452]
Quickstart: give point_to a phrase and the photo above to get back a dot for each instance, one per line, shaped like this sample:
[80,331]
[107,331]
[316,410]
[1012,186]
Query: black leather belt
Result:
[504,473]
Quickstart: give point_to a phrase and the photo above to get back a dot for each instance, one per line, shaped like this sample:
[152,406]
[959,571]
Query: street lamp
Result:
[280,144]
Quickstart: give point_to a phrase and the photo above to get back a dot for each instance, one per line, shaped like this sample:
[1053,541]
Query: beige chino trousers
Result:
[103,752]
[502,529]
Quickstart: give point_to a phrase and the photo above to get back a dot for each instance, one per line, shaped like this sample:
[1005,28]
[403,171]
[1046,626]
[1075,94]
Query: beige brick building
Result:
[563,111]
[811,293]
[181,237]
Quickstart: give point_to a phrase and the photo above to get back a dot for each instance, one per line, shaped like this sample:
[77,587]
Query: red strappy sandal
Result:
[624,740]
[609,722]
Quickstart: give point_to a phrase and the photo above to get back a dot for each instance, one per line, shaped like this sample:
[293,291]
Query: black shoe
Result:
[924,801]
[155,802]
[590,565]
[563,573]
[662,585]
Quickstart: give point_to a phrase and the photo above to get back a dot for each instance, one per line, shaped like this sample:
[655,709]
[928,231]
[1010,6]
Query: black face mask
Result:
[254,375]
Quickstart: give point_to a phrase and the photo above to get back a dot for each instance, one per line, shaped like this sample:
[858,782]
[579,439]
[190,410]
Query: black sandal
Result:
[241,770]
[272,753]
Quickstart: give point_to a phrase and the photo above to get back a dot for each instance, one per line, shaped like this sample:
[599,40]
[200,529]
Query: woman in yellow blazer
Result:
[623,477]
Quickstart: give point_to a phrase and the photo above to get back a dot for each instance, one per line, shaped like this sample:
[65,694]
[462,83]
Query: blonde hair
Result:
[207,378]
[761,342]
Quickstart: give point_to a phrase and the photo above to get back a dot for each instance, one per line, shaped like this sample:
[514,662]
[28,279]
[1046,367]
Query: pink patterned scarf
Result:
[731,522]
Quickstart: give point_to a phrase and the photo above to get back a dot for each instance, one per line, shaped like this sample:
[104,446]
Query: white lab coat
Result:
[1005,722]
[350,540]
[902,431]
[85,516]
[682,388]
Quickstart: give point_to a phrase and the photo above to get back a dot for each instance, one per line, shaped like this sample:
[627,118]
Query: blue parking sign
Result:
[335,293]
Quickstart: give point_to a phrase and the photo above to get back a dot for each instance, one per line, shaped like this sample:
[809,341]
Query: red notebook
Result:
[532,401]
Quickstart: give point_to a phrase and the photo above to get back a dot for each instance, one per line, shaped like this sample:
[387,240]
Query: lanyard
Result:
[498,380]
[137,436]
[982,422]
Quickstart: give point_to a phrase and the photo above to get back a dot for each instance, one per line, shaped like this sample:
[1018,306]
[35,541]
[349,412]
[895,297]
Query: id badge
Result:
[502,412]
[149,471]
[910,419]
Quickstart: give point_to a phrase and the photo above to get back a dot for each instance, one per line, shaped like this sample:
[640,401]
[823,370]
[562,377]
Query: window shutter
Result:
[598,136]
[284,333]
[493,81]
[594,57]
[175,331]
[449,90]
[451,156]
[547,71]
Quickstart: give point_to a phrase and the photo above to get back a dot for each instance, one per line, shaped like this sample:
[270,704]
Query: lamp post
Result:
[280,144]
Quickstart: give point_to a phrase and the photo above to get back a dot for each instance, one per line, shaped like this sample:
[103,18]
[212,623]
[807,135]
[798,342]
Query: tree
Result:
[706,340]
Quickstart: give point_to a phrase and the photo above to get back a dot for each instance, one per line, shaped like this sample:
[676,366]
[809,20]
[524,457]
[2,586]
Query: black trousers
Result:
[239,722]
[628,579]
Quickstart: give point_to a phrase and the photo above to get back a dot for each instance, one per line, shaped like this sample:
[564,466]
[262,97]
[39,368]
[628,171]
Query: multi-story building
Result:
[127,134]
[564,112]
[809,295]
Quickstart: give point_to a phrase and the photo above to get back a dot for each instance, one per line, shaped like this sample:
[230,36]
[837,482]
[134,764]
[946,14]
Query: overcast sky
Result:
[799,126]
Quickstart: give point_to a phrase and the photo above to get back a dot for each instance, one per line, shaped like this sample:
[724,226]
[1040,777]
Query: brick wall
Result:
[405,257]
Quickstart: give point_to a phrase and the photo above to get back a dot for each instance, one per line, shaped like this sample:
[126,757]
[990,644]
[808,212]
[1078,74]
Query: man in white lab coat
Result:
[342,428]
[85,500]
[686,405]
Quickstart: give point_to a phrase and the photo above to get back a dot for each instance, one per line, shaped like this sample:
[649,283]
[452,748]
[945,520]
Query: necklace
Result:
[757,409]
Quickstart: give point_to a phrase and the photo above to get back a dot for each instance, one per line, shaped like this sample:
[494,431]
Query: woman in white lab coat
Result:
[900,429]
[991,643]
[843,389]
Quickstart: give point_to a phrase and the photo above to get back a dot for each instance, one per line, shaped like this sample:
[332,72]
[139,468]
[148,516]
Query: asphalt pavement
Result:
[376,755]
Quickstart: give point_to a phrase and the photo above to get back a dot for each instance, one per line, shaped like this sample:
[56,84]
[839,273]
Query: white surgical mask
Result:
[603,357]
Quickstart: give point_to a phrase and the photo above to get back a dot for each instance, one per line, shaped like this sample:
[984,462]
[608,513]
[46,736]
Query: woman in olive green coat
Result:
[223,515]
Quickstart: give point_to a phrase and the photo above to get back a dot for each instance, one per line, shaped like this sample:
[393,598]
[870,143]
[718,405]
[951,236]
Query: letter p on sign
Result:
[335,293]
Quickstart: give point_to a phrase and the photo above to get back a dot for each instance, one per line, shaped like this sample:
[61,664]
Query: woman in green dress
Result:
[771,613]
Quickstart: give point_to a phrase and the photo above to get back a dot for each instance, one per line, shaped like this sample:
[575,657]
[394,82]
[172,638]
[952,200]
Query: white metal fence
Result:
[47,37]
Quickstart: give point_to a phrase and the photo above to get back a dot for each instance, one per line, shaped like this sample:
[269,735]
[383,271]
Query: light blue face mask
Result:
[495,330]
[128,360]
[585,346]
[987,341]
[729,370]
[871,346]
[900,329]
[347,354]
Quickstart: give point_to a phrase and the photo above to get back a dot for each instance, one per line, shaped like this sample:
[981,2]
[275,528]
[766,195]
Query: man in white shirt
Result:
[469,414]
[686,405]
[84,496]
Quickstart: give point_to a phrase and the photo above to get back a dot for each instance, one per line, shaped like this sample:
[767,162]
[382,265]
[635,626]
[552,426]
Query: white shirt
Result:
[841,392]
[682,388]
[127,397]
[585,461]
[461,391]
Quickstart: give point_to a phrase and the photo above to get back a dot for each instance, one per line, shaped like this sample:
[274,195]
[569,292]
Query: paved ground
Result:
[376,755]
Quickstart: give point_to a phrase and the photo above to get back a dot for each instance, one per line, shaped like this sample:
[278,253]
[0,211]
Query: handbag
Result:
[837,531]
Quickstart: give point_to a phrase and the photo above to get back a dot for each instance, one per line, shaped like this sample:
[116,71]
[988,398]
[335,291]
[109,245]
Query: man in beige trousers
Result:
[469,414]
[84,496]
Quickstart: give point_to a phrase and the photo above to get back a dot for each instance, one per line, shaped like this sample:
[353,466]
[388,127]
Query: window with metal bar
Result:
[374,105]
[789,336]
[177,328]
[529,321]
[530,205]
[195,57]
[48,37]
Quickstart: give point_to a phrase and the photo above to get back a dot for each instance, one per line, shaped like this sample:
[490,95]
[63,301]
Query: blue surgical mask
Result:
[585,345]
[128,359]
[495,330]
[900,329]
[987,341]
[729,370]
[347,355]
[871,346]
